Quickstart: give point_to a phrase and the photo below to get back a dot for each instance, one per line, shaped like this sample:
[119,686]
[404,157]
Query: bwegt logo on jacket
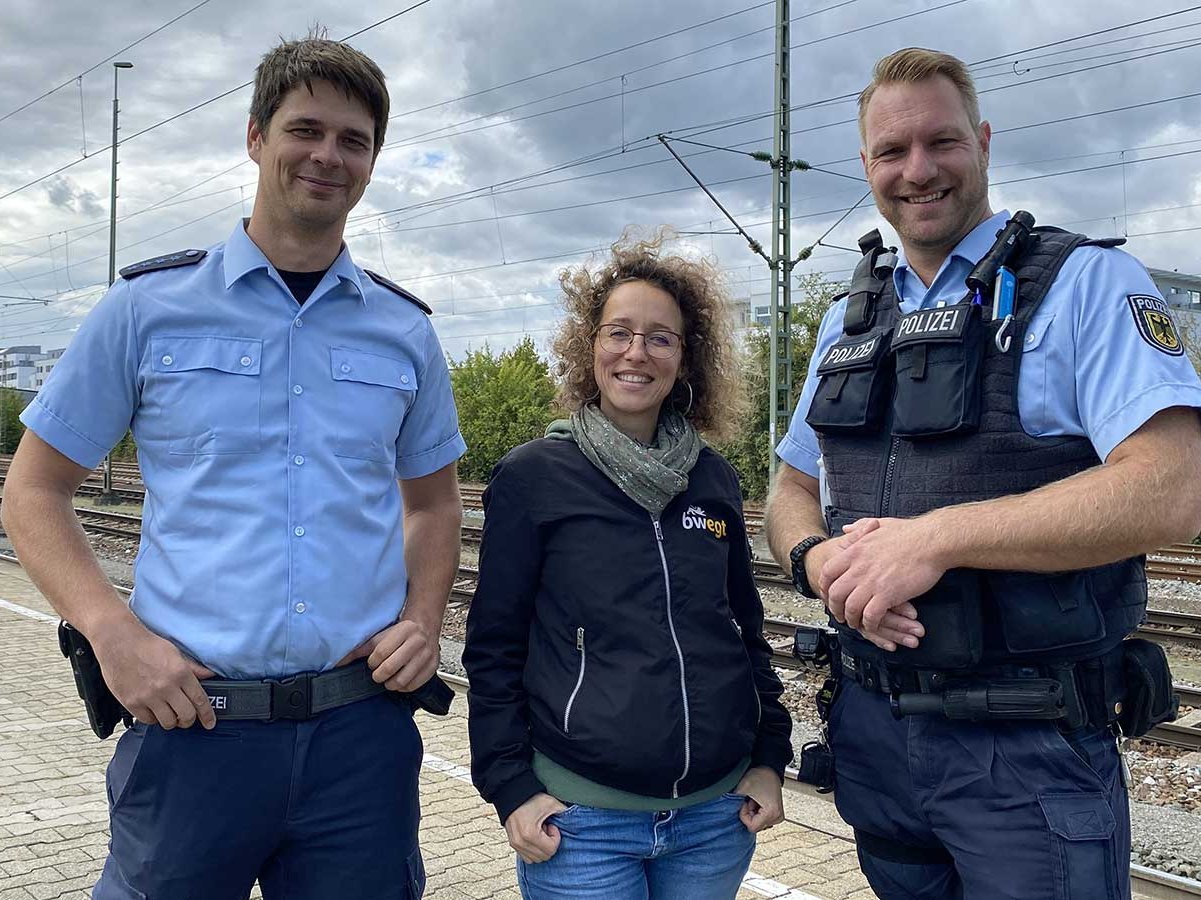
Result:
[696,517]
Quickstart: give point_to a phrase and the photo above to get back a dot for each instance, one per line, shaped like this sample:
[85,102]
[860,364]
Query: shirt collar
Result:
[969,250]
[243,256]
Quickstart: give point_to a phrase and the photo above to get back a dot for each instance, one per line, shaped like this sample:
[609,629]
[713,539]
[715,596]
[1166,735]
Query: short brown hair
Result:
[914,64]
[710,363]
[294,63]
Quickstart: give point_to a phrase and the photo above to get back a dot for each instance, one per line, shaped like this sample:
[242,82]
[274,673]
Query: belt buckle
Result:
[292,698]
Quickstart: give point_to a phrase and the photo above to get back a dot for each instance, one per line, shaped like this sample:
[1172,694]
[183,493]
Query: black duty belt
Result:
[296,697]
[1074,693]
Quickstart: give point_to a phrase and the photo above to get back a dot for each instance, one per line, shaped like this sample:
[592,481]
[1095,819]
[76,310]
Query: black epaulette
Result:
[397,289]
[170,261]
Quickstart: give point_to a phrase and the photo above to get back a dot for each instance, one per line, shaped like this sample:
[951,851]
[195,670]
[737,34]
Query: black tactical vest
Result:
[916,412]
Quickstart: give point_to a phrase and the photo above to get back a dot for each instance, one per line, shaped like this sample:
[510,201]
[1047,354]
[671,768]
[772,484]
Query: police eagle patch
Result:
[1153,317]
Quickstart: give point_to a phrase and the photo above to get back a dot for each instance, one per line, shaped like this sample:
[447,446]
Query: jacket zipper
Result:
[579,682]
[675,788]
[889,471]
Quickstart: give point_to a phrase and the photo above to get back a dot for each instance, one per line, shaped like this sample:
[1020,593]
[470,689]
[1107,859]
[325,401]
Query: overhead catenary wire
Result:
[109,58]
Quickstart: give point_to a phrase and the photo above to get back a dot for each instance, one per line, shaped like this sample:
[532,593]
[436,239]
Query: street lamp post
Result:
[107,497]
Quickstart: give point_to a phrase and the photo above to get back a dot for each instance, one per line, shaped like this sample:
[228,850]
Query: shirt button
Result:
[299,323]
[1029,339]
[300,607]
[245,360]
[404,379]
[298,459]
[297,389]
[298,531]
[167,360]
[345,367]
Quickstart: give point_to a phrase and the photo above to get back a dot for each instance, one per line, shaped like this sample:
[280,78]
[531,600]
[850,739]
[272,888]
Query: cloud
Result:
[66,195]
[481,196]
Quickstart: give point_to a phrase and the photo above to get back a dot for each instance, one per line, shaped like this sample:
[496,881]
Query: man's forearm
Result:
[432,539]
[1096,517]
[793,514]
[54,550]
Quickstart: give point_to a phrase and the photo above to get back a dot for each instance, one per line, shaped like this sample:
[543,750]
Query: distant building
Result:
[25,367]
[1183,291]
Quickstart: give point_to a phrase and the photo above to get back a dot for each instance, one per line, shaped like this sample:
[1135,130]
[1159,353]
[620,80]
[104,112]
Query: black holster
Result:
[104,710]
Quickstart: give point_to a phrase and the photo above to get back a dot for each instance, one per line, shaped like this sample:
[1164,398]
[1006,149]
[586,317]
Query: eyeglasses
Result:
[659,344]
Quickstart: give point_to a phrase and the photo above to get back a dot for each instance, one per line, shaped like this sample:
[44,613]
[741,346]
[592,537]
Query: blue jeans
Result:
[313,810]
[1016,810]
[697,853]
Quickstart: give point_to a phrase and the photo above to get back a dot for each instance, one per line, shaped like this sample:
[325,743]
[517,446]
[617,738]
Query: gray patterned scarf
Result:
[650,476]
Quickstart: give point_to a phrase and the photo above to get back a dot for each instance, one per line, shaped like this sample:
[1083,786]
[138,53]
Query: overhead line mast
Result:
[780,338]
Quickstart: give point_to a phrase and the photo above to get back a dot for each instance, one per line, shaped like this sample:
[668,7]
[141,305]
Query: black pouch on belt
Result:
[1149,698]
[854,387]
[940,354]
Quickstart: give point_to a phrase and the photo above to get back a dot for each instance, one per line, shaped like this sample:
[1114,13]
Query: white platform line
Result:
[27,612]
[765,887]
[445,767]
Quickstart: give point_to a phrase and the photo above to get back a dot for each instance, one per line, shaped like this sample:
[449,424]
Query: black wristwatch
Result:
[799,579]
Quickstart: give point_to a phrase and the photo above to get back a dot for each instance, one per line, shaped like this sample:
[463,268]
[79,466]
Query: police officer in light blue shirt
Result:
[973,513]
[298,439]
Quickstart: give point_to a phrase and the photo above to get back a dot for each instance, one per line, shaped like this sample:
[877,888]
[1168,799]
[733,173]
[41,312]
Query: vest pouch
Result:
[1149,698]
[939,364]
[951,613]
[1046,611]
[854,386]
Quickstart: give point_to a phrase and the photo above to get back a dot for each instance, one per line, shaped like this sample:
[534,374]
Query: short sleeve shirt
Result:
[270,437]
[1092,364]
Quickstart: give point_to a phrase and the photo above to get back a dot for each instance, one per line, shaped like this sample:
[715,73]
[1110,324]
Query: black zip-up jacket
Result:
[629,651]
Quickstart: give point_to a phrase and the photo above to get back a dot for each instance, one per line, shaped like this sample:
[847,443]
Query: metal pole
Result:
[107,496]
[780,337]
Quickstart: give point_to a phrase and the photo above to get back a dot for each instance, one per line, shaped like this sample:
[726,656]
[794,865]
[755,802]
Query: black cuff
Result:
[773,754]
[516,792]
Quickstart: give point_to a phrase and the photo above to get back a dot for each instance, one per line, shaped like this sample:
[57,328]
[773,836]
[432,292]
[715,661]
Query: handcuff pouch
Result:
[1149,698]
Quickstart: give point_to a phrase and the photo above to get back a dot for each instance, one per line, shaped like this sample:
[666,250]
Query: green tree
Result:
[11,405]
[749,452]
[503,400]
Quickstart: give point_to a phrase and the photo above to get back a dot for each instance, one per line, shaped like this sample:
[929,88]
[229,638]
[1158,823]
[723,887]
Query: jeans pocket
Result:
[1082,830]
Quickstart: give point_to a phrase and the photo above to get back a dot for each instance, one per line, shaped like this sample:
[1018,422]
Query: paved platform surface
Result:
[54,817]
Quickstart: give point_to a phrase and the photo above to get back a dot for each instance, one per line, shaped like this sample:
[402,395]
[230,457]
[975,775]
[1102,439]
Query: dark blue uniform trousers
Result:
[324,808]
[1015,810]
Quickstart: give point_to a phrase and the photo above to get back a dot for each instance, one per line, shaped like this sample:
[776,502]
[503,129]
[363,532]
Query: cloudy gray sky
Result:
[522,136]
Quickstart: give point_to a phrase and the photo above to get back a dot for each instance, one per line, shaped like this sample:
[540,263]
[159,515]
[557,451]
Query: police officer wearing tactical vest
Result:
[1005,426]
[298,438]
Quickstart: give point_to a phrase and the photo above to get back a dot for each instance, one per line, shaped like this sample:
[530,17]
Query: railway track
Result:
[1180,562]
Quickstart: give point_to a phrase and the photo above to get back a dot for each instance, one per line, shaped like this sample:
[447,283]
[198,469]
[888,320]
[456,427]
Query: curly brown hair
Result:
[710,364]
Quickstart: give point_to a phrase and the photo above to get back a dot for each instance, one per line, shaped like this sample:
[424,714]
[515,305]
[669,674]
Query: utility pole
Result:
[780,336]
[107,496]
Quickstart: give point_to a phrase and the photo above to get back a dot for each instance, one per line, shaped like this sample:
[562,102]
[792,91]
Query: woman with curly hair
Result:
[625,719]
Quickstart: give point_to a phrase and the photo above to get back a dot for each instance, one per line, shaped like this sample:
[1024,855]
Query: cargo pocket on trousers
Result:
[416,874]
[1082,847]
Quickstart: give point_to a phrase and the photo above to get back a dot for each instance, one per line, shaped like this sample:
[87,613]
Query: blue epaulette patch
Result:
[397,289]
[169,261]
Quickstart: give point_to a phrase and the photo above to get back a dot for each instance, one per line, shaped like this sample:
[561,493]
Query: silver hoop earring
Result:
[688,408]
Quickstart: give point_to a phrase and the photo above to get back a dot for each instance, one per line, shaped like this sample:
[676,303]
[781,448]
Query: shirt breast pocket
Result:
[373,393]
[1033,403]
[209,393]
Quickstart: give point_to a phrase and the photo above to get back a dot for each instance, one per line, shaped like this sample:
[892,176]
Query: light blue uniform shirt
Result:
[270,436]
[1086,370]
